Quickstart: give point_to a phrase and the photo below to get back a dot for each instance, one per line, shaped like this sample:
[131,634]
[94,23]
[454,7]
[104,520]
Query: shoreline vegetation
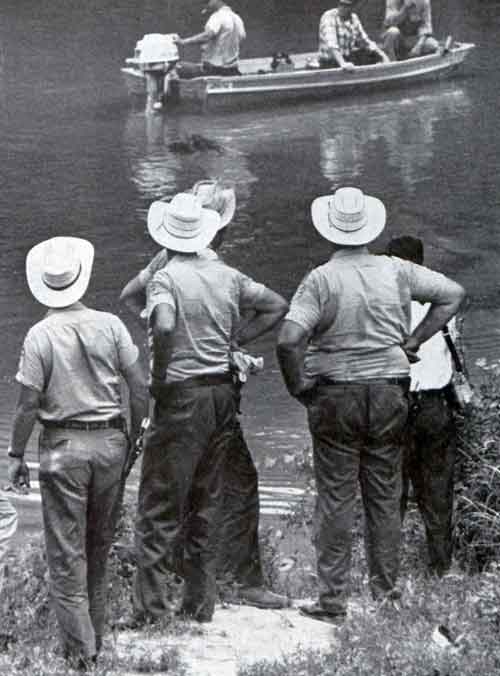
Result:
[439,627]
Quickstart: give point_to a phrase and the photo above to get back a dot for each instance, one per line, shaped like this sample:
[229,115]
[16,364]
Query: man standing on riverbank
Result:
[194,306]
[408,29]
[430,439]
[70,374]
[220,42]
[343,351]
[239,566]
[343,42]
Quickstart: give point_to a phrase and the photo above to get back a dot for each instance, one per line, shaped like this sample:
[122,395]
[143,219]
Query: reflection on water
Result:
[405,127]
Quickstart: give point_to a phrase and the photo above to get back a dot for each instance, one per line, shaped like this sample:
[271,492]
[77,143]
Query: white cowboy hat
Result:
[221,200]
[58,270]
[182,224]
[348,217]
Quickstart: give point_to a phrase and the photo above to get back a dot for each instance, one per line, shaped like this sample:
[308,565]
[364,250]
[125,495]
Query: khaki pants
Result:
[357,434]
[81,488]
[8,526]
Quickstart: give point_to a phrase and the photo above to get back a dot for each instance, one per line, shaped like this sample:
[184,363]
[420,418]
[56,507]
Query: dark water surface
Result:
[77,159]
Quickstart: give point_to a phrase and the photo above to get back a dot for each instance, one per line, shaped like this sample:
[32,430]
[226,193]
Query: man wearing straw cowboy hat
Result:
[194,306]
[70,374]
[344,352]
[239,562]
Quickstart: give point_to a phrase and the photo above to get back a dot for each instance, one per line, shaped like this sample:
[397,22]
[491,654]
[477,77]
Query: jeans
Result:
[81,488]
[8,526]
[429,459]
[180,497]
[357,433]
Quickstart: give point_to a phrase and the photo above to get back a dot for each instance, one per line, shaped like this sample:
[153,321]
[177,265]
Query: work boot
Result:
[316,612]
[261,598]
[187,614]
[134,622]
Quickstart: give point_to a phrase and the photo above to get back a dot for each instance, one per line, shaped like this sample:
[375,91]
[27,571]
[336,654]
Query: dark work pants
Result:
[359,57]
[180,497]
[239,557]
[429,460]
[81,489]
[357,433]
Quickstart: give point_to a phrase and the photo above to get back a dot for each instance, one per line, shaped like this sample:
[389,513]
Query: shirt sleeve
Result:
[306,304]
[160,290]
[427,286]
[157,263]
[327,32]
[128,352]
[250,292]
[213,25]
[362,38]
[30,370]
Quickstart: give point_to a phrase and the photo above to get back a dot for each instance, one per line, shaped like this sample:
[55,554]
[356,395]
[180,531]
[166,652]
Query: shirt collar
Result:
[69,308]
[353,252]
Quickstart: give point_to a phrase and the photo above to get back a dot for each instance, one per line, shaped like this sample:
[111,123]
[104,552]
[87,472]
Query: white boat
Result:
[259,85]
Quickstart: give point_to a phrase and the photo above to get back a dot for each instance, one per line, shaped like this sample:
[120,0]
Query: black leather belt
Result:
[402,382]
[85,425]
[209,380]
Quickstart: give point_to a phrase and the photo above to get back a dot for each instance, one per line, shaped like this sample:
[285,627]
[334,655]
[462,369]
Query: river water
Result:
[77,159]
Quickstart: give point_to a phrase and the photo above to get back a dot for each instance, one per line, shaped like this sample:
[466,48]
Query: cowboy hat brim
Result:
[158,215]
[58,298]
[375,222]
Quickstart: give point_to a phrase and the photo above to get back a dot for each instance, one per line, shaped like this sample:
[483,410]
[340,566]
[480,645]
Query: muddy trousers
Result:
[239,555]
[180,497]
[429,459]
[80,484]
[357,433]
[8,526]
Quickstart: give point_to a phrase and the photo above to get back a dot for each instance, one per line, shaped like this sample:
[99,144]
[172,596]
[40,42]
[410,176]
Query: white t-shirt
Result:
[434,370]
[227,31]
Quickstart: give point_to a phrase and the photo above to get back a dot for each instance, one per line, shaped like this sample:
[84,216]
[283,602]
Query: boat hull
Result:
[267,88]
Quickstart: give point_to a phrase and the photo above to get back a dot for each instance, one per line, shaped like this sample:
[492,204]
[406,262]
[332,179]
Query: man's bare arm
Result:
[292,345]
[268,311]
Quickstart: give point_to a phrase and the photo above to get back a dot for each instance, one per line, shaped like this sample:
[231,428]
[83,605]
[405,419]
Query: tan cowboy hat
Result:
[221,200]
[58,270]
[348,217]
[182,224]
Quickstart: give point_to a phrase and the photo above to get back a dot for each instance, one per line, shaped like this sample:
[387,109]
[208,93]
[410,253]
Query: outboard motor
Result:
[156,55]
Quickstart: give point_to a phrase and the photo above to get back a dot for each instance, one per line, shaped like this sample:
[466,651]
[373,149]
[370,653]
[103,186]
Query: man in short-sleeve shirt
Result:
[408,29]
[343,352]
[70,370]
[220,42]
[194,306]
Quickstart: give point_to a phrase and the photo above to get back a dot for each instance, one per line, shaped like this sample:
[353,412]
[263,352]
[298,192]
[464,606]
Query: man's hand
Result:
[305,393]
[348,66]
[19,473]
[410,347]
[176,39]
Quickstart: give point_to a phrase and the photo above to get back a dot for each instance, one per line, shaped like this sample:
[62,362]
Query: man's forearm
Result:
[257,326]
[434,320]
[291,361]
[24,421]
[199,38]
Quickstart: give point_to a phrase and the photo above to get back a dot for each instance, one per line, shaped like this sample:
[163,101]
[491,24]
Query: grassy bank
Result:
[440,627]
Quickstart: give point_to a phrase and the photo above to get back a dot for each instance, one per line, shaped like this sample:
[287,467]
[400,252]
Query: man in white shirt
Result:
[431,435]
[220,42]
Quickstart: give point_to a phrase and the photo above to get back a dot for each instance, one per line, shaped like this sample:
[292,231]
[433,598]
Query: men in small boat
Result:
[194,305]
[239,554]
[220,42]
[408,33]
[70,371]
[343,42]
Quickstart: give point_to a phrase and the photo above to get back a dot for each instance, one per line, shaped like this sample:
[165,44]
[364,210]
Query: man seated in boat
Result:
[343,42]
[220,42]
[408,33]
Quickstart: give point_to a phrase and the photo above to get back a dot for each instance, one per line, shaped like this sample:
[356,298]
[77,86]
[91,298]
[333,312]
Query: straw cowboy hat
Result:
[182,224]
[221,200]
[58,270]
[348,217]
